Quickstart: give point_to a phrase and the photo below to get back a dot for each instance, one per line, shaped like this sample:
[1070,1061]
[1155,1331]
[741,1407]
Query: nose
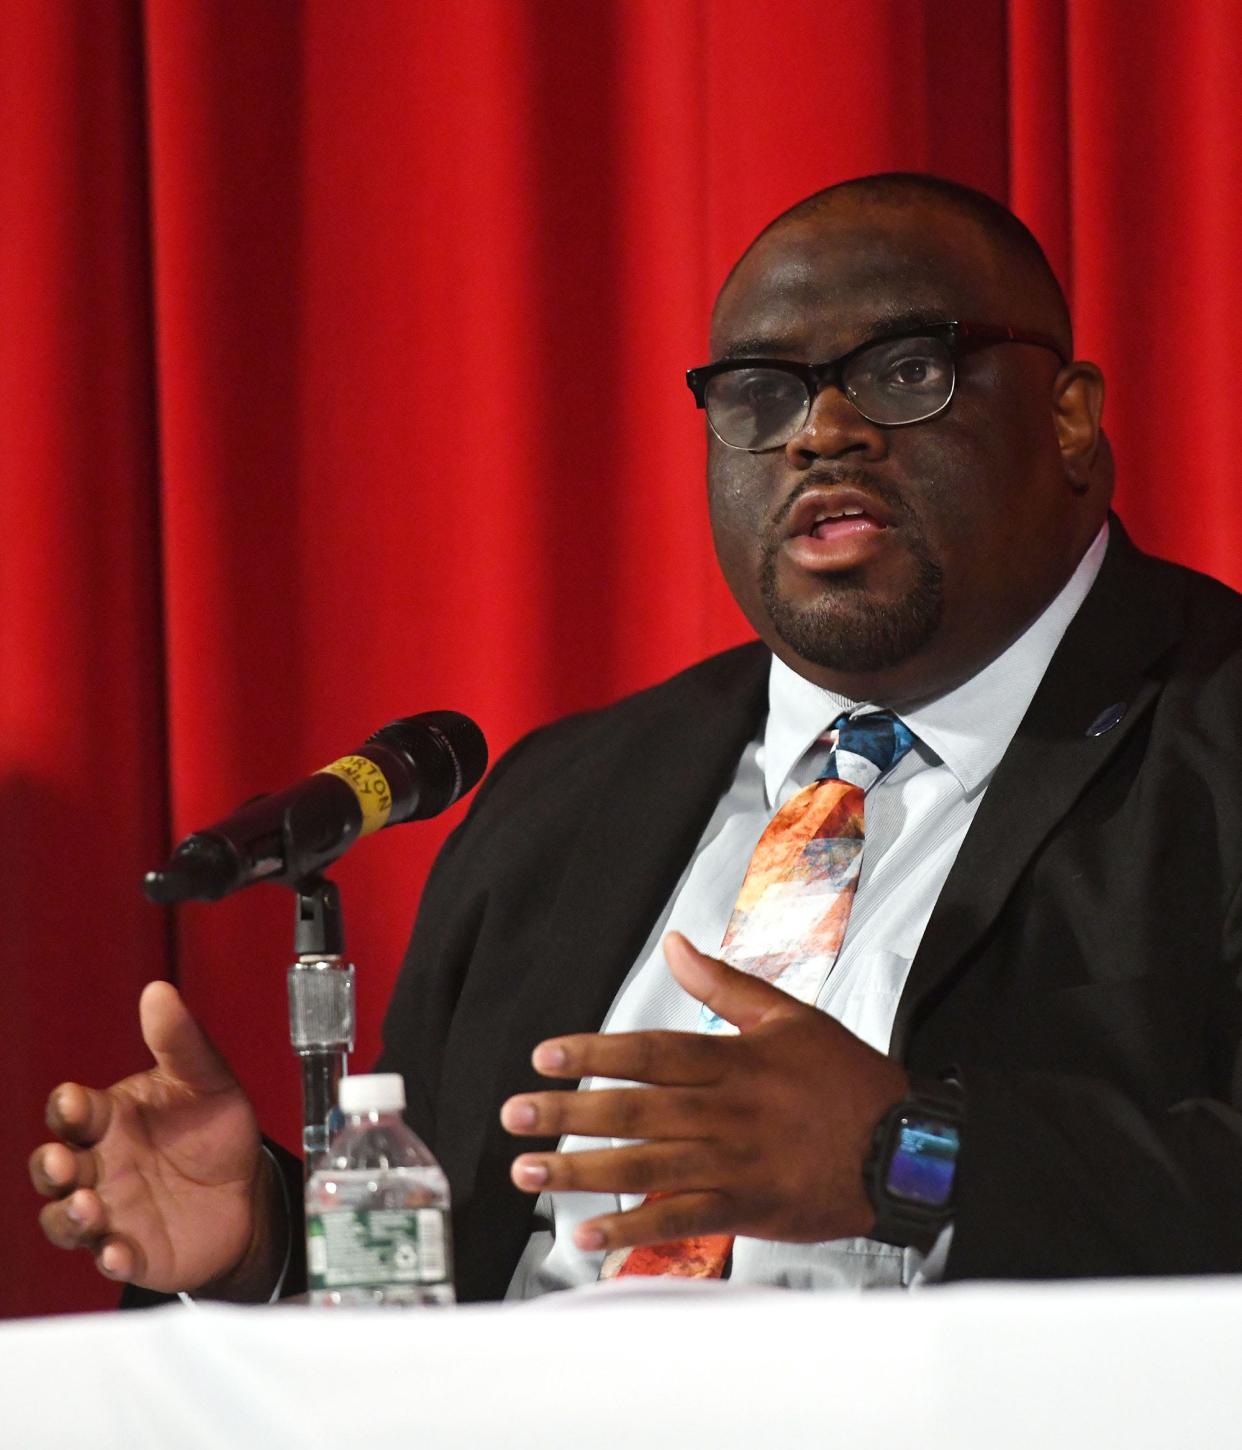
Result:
[834,428]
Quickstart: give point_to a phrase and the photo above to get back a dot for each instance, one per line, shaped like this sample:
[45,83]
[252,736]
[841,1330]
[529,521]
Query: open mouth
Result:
[839,507]
[836,527]
[849,519]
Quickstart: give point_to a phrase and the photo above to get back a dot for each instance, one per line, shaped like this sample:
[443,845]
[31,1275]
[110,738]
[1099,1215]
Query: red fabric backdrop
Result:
[340,354]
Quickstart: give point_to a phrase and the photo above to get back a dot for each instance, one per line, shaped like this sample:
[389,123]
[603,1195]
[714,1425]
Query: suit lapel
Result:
[1102,666]
[653,807]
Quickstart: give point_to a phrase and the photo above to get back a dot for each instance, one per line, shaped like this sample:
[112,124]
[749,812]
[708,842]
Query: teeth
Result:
[849,512]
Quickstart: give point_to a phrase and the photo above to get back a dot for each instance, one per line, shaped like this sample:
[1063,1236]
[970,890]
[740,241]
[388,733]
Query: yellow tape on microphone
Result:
[367,782]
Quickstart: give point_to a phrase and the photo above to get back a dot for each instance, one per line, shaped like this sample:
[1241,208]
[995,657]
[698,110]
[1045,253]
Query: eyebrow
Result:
[889,324]
[757,347]
[892,323]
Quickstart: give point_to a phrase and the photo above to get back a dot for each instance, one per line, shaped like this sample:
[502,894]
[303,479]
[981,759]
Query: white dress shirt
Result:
[916,819]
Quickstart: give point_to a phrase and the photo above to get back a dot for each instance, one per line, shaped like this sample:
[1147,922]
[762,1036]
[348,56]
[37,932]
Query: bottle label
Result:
[356,1248]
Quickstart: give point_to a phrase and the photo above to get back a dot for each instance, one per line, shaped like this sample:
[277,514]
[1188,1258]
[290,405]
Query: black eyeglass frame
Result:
[961,338]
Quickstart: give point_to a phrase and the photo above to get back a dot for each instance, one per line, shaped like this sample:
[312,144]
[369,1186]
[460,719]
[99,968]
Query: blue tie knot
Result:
[879,737]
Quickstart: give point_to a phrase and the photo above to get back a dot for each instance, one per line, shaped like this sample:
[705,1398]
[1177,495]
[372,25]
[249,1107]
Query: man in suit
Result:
[909,494]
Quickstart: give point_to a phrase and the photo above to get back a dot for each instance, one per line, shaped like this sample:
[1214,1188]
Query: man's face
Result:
[969,522]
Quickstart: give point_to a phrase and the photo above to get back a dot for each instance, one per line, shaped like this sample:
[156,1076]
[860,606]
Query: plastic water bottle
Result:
[377,1207]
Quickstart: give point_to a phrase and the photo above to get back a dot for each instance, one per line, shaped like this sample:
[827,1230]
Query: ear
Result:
[1077,403]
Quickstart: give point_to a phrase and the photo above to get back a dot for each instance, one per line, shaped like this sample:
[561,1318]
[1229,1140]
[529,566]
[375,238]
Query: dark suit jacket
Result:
[1080,970]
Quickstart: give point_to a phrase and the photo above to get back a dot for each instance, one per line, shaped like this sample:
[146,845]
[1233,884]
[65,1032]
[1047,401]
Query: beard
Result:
[847,630]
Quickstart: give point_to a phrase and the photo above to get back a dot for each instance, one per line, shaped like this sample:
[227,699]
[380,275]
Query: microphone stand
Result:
[321,1010]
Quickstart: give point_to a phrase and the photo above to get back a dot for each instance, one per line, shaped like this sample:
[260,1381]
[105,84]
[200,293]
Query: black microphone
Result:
[409,770]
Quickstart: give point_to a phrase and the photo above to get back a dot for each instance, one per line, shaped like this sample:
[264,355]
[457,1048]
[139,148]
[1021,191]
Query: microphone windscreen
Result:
[449,754]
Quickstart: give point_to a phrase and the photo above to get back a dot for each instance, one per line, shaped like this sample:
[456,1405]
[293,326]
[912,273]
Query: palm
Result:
[175,1170]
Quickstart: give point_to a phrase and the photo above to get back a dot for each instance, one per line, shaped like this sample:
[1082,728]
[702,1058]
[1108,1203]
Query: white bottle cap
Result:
[375,1092]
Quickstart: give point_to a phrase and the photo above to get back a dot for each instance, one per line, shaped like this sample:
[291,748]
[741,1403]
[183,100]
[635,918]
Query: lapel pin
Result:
[1106,719]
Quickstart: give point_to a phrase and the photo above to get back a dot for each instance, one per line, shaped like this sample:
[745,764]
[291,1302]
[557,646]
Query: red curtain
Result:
[340,355]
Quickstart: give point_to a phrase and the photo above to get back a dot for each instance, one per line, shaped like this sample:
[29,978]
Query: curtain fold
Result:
[341,378]
[83,758]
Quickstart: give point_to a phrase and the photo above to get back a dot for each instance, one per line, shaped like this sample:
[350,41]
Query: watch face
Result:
[923,1162]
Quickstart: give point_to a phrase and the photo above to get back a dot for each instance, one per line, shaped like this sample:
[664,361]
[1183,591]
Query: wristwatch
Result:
[911,1168]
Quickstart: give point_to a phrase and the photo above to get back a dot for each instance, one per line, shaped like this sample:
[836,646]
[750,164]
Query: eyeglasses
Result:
[755,403]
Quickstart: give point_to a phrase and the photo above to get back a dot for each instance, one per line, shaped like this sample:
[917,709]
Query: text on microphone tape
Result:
[367,782]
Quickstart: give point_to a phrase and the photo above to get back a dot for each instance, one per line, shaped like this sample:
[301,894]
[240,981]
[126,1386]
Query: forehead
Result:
[818,284]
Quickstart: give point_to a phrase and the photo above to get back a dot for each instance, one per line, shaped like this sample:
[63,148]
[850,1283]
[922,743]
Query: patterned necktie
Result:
[789,921]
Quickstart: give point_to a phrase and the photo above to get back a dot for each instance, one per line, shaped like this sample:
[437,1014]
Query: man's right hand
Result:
[162,1176]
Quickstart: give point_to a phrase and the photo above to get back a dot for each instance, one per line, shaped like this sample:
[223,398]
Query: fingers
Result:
[180,1047]
[662,1221]
[674,1059]
[79,1114]
[612,1113]
[81,1222]
[739,998]
[56,1169]
[77,1218]
[651,1168]
[117,1258]
[74,1222]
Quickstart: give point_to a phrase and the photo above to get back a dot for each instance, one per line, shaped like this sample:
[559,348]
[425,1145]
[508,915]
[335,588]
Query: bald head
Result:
[1017,272]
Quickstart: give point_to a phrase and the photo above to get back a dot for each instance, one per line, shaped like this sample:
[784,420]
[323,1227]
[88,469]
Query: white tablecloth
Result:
[1132,1365]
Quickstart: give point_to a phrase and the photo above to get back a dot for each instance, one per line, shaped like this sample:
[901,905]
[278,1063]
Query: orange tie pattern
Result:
[789,922]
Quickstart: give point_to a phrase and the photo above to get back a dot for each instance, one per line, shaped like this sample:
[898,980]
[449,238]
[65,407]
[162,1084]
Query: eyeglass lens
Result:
[898,380]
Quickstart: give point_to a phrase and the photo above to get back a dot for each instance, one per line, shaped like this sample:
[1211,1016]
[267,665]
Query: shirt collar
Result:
[968,729]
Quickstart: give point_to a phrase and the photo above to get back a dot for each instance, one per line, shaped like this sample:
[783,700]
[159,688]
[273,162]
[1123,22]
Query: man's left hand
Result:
[762,1134]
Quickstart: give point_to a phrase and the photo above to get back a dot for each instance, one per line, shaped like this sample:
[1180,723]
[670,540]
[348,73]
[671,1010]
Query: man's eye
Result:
[915,370]
[760,389]
[764,395]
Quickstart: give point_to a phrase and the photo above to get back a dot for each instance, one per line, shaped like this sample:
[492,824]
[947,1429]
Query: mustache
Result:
[826,476]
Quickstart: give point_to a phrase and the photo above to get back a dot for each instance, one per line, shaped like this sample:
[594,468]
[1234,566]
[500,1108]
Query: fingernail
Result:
[532,1173]
[109,1260]
[74,1214]
[518,1114]
[549,1057]
[589,1238]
